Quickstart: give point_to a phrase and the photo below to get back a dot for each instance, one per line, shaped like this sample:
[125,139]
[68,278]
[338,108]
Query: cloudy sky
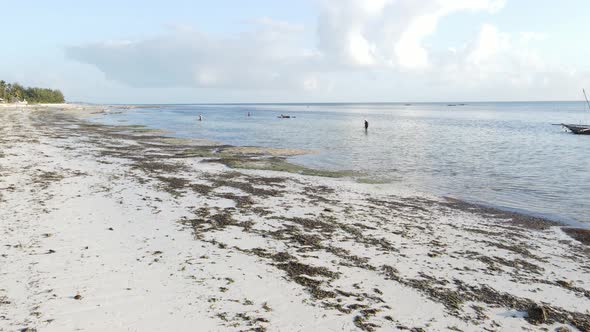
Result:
[299,51]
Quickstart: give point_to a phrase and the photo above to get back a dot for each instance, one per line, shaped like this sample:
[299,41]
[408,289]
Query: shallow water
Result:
[504,154]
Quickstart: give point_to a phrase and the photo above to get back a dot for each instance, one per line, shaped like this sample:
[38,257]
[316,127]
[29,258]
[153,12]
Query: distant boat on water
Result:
[579,129]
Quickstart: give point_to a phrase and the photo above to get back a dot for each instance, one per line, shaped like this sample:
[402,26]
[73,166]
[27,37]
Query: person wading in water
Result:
[366,125]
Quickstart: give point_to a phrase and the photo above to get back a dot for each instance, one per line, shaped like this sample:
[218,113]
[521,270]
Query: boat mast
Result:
[584,91]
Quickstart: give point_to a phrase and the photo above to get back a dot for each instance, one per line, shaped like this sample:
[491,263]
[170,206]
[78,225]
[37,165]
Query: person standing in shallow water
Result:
[366,125]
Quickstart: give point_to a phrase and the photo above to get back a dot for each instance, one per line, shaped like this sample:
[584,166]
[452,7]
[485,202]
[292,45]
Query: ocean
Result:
[504,154]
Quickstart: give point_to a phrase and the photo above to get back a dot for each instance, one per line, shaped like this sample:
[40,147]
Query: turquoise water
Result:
[504,154]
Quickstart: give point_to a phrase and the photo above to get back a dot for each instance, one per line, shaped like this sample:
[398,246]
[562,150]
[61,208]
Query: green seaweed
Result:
[279,165]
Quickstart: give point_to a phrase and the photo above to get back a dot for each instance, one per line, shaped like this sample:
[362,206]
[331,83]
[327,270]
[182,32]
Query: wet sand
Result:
[121,228]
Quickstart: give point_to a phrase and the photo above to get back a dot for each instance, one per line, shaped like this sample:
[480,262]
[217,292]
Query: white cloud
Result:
[489,45]
[365,50]
[270,55]
[388,32]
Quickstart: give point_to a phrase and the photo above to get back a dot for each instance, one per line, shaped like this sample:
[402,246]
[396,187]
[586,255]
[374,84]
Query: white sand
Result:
[75,222]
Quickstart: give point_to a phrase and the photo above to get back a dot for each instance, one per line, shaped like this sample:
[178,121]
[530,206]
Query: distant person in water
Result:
[366,125]
[248,113]
[200,117]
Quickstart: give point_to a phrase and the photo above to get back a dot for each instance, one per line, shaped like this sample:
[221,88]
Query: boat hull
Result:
[578,129]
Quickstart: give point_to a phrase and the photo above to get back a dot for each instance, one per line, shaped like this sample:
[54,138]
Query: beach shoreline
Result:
[120,228]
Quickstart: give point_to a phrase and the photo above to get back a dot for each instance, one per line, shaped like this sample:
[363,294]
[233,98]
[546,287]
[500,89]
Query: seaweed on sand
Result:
[151,167]
[517,264]
[242,202]
[247,187]
[579,234]
[453,299]
[173,185]
[304,274]
[46,178]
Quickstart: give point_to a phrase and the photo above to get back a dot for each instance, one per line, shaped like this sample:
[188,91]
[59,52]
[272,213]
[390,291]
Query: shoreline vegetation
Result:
[16,93]
[121,227]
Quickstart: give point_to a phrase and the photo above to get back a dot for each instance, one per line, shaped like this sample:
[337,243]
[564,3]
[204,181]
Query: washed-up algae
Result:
[580,234]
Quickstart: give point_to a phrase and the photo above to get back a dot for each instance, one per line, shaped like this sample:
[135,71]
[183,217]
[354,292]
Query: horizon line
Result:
[457,103]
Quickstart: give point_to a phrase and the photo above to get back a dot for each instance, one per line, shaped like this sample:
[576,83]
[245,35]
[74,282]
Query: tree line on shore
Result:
[14,92]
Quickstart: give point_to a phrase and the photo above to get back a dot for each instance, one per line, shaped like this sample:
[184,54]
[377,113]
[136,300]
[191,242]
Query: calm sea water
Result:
[504,154]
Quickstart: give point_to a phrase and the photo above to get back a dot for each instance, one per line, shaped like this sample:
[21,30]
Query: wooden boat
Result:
[579,129]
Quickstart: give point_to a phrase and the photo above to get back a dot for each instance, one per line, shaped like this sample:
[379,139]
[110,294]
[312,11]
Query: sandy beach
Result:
[120,228]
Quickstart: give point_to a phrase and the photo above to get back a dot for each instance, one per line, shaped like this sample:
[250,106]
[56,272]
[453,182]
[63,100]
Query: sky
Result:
[298,51]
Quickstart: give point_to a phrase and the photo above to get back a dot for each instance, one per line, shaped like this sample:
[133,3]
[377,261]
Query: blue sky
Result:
[299,51]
